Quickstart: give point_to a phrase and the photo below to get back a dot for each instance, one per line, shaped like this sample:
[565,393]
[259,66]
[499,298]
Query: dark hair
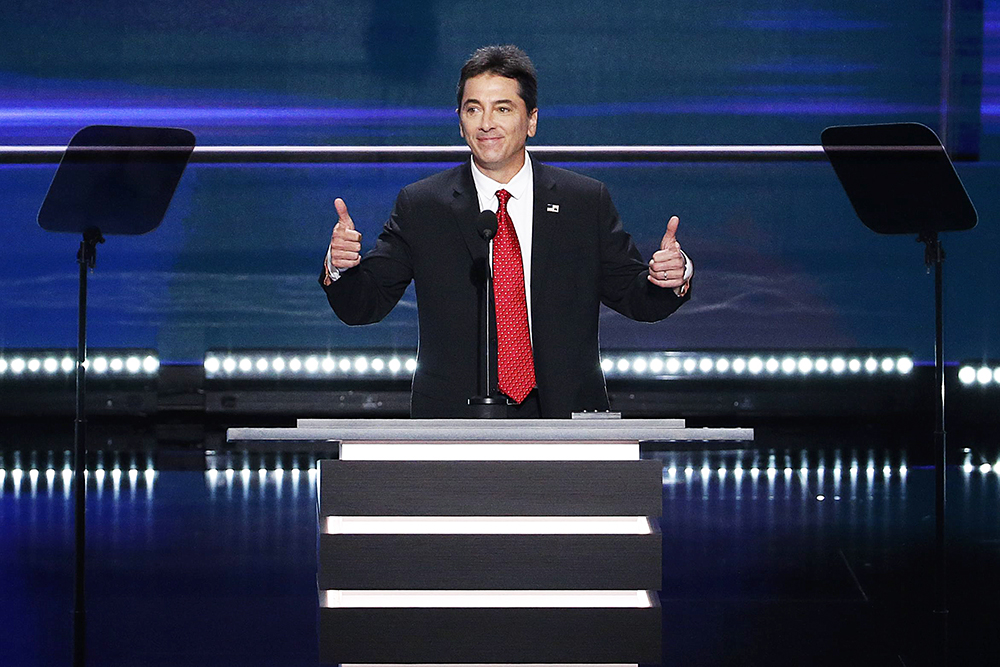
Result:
[508,61]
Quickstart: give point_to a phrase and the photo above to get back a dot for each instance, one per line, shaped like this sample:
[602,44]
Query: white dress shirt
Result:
[520,208]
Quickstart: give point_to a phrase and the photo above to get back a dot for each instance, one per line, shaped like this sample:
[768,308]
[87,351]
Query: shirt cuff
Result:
[332,272]
[688,273]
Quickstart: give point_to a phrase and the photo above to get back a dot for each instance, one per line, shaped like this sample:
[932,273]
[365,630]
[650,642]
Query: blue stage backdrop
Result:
[781,259]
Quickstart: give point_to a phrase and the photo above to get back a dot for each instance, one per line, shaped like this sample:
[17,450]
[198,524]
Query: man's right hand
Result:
[345,243]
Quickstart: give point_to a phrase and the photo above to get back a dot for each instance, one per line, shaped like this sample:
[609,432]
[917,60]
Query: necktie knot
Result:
[503,197]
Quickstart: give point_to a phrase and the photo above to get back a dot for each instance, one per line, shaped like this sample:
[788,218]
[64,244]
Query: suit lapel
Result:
[465,210]
[543,232]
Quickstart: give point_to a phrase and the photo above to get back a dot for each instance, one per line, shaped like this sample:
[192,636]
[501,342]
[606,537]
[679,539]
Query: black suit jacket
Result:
[580,257]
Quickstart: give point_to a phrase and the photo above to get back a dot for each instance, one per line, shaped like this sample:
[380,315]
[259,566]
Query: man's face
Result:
[496,123]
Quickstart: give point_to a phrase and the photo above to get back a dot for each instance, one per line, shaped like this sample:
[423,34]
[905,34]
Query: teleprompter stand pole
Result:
[934,256]
[86,257]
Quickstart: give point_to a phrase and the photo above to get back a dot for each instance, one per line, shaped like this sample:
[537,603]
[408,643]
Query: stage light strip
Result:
[979,374]
[307,366]
[35,364]
[342,599]
[777,365]
[666,365]
[486,525]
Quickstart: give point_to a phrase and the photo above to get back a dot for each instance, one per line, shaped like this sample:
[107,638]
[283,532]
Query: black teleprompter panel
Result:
[490,562]
[490,635]
[490,488]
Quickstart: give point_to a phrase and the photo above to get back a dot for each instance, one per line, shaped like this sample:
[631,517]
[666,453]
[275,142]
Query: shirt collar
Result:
[486,187]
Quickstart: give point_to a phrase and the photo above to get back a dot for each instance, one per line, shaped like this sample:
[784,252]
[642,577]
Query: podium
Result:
[488,541]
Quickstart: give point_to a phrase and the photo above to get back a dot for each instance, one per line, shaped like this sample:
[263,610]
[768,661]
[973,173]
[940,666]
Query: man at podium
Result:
[558,253]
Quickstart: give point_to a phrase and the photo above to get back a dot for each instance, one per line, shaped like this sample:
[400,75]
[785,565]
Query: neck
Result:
[506,172]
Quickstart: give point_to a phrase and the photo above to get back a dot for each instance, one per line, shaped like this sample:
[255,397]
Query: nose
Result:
[486,121]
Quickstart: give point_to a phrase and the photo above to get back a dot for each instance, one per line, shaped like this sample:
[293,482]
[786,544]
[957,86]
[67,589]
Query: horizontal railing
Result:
[389,154]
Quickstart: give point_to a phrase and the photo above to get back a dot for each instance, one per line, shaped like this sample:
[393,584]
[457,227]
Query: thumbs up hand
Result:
[666,268]
[345,243]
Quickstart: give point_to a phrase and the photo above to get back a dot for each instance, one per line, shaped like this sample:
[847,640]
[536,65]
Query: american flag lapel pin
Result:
[552,208]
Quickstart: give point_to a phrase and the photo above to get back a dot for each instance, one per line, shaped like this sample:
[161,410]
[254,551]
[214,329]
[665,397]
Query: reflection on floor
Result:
[808,549]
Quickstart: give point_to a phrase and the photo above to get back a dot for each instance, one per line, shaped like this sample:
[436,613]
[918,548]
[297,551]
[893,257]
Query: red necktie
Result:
[515,364]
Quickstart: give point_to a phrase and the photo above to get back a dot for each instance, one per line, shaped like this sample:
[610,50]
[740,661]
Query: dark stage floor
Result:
[812,548]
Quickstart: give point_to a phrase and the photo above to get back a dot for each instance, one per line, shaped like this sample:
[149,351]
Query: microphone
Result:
[486,225]
[487,405]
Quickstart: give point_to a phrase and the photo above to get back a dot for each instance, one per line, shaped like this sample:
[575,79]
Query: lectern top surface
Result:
[491,424]
[416,431]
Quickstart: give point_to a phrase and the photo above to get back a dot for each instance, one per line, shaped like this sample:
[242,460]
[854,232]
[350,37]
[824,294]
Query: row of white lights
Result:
[312,365]
[50,365]
[738,470]
[984,375]
[264,364]
[756,365]
[17,474]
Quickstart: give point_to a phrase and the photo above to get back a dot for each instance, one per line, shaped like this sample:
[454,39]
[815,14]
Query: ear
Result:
[461,130]
[532,122]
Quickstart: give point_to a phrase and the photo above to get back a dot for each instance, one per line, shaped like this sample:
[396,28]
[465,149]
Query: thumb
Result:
[343,217]
[669,236]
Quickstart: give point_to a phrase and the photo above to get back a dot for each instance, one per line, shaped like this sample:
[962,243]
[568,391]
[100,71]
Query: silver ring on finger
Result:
[664,275]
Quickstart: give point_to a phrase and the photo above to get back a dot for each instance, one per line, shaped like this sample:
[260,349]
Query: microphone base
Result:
[488,407]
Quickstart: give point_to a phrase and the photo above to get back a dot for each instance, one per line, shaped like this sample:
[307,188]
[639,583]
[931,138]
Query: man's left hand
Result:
[666,268]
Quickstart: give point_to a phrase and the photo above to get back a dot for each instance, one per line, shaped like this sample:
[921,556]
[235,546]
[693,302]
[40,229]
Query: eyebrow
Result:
[475,101]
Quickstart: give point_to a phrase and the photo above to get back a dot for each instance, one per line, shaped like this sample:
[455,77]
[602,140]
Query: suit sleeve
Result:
[366,293]
[624,286]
